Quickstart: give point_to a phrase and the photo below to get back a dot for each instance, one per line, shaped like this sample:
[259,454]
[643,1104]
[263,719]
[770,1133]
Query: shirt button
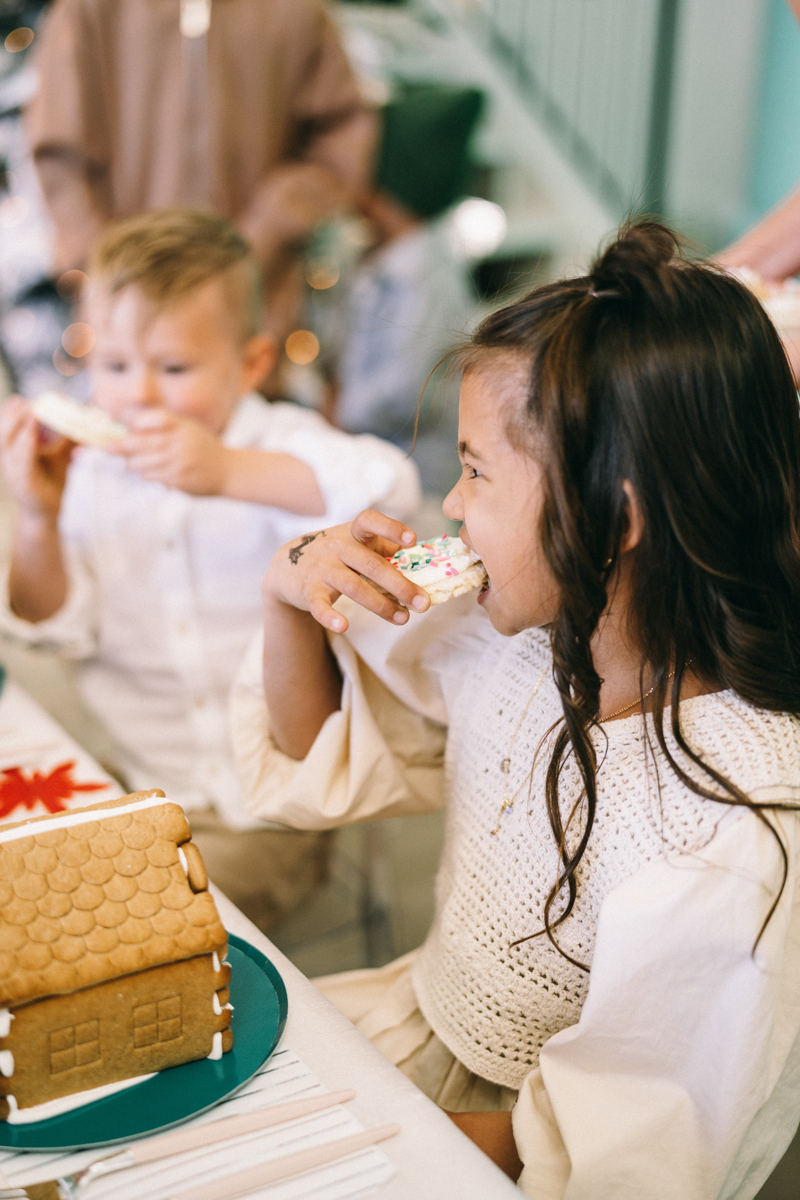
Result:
[199,701]
[181,627]
[169,544]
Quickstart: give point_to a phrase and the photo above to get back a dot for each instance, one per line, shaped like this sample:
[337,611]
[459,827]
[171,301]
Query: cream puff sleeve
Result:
[681,1079]
[382,753]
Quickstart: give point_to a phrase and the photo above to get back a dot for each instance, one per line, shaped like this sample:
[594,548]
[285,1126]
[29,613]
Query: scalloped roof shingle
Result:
[93,901]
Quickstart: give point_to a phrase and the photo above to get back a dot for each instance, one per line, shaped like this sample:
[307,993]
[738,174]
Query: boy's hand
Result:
[176,451]
[312,572]
[35,461]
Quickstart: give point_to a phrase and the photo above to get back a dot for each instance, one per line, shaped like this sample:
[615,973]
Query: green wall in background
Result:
[776,151]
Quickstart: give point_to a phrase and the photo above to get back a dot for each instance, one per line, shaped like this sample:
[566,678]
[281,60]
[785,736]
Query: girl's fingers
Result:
[321,596]
[320,604]
[376,569]
[371,524]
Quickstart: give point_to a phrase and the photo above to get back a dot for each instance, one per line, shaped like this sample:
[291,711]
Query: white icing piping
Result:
[215,1004]
[183,862]
[215,962]
[54,1108]
[216,1048]
[6,1064]
[6,1018]
[79,816]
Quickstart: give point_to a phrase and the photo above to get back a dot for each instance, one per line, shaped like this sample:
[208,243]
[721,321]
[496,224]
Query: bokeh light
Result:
[479,227]
[78,339]
[302,347]
[13,211]
[322,275]
[70,285]
[64,364]
[18,39]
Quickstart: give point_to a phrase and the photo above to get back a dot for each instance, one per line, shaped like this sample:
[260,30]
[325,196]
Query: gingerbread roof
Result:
[84,900]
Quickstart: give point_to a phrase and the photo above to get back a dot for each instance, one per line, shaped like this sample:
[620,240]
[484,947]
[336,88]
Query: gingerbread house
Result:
[111,950]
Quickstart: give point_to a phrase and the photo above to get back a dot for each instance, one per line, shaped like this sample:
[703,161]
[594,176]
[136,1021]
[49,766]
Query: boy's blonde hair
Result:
[170,253]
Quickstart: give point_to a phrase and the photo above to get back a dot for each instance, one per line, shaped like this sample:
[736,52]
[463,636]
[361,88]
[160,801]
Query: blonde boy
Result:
[145,562]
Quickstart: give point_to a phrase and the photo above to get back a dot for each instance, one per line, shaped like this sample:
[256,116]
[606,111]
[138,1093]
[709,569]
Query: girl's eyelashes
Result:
[471,472]
[174,368]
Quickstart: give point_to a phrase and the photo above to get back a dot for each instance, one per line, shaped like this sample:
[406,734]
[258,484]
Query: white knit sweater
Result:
[493,1006]
[680,1028]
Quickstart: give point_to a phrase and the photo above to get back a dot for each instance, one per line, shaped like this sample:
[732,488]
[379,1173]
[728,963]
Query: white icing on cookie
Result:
[54,1108]
[216,1048]
[78,816]
[443,566]
[182,860]
[6,1018]
[6,1064]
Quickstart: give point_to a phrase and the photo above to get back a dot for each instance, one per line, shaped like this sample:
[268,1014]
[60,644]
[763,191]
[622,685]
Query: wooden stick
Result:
[287,1165]
[230,1127]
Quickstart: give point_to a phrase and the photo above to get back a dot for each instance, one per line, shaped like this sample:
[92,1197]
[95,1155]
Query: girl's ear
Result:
[635,519]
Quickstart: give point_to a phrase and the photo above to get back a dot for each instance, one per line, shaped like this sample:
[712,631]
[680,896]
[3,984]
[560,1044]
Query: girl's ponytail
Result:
[637,256]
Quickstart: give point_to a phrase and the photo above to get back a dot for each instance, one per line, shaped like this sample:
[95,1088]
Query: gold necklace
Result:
[505,765]
[639,699]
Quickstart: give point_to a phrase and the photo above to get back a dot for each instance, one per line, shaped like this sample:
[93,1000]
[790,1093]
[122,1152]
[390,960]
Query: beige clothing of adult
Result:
[288,137]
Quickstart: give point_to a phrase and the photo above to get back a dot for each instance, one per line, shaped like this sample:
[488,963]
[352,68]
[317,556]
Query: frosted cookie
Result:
[81,423]
[444,567]
[781,299]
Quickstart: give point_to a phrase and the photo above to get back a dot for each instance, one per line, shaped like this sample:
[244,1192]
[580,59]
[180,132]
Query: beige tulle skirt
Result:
[382,1004]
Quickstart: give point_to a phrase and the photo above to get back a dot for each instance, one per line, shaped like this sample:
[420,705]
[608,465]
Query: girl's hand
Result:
[35,461]
[176,451]
[312,572]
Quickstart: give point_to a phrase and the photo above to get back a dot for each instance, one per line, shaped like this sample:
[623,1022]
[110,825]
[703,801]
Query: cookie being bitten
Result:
[82,423]
[444,566]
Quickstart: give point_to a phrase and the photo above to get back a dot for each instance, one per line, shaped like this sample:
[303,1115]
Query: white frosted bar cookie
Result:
[81,423]
[444,566]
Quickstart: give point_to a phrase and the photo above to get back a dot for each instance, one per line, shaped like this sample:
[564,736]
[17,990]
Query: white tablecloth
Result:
[434,1160]
[42,769]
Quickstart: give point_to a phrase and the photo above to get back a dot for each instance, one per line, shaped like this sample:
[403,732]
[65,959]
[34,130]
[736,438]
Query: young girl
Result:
[609,998]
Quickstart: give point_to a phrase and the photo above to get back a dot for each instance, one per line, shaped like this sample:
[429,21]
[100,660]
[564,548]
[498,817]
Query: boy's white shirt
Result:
[679,1077]
[164,592]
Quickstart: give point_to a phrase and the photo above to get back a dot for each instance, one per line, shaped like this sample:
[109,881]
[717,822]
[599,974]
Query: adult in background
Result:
[772,248]
[411,294]
[248,107]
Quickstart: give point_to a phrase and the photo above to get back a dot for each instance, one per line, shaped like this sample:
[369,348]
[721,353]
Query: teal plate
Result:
[172,1096]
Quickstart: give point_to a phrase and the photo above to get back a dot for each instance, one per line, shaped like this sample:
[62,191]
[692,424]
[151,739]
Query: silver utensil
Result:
[66,1187]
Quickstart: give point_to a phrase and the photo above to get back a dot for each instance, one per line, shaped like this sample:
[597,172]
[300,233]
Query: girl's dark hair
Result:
[667,373]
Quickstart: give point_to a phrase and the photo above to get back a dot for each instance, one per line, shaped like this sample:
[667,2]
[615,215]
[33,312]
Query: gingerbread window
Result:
[159,1022]
[74,1046]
